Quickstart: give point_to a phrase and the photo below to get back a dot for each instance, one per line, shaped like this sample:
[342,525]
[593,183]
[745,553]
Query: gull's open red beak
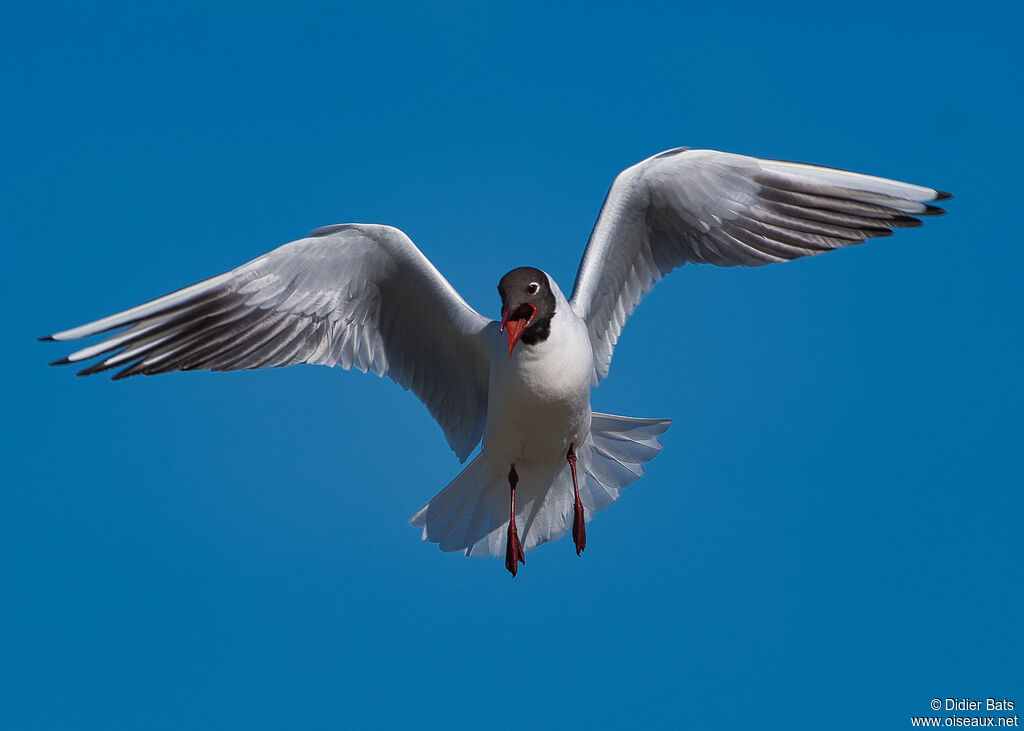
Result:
[516,321]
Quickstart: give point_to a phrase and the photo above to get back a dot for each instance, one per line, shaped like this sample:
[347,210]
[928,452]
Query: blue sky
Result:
[832,535]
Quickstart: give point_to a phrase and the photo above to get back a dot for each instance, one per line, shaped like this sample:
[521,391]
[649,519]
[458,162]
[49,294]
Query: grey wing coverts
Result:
[703,206]
[352,295]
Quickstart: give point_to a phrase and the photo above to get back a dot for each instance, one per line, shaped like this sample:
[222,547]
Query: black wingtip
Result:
[941,195]
[46,339]
[94,368]
[933,211]
[125,373]
[60,362]
[906,222]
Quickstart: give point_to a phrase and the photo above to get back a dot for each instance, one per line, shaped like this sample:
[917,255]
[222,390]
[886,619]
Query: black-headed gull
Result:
[356,295]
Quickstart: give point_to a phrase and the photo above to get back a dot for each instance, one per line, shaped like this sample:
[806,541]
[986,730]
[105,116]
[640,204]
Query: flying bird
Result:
[363,296]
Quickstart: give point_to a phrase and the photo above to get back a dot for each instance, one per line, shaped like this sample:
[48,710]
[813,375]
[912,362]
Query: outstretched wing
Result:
[352,295]
[710,207]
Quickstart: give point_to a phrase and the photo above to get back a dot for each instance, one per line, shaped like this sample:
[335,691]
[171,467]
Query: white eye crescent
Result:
[533,288]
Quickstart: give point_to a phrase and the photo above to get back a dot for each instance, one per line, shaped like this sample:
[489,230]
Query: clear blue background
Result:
[832,535]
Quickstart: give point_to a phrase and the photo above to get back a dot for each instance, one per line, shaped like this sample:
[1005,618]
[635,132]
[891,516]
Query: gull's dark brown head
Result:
[527,306]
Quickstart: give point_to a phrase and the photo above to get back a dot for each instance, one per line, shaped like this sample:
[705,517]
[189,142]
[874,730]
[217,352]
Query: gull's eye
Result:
[533,288]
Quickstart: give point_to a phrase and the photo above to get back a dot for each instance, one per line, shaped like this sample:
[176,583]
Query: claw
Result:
[579,526]
[513,550]
[514,554]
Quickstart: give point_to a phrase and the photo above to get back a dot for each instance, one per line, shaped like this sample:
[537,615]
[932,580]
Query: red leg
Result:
[579,525]
[513,548]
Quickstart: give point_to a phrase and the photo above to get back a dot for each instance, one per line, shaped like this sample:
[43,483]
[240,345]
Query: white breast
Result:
[539,399]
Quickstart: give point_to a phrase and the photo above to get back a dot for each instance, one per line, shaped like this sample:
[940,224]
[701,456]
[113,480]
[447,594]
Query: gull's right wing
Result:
[351,295]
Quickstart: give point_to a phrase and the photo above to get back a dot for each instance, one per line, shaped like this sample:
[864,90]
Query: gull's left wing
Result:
[703,206]
[351,295]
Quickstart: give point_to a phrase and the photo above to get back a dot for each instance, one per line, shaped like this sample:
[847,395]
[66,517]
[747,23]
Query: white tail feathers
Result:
[471,513]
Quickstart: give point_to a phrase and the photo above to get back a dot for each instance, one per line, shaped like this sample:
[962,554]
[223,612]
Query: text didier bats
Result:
[966,704]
